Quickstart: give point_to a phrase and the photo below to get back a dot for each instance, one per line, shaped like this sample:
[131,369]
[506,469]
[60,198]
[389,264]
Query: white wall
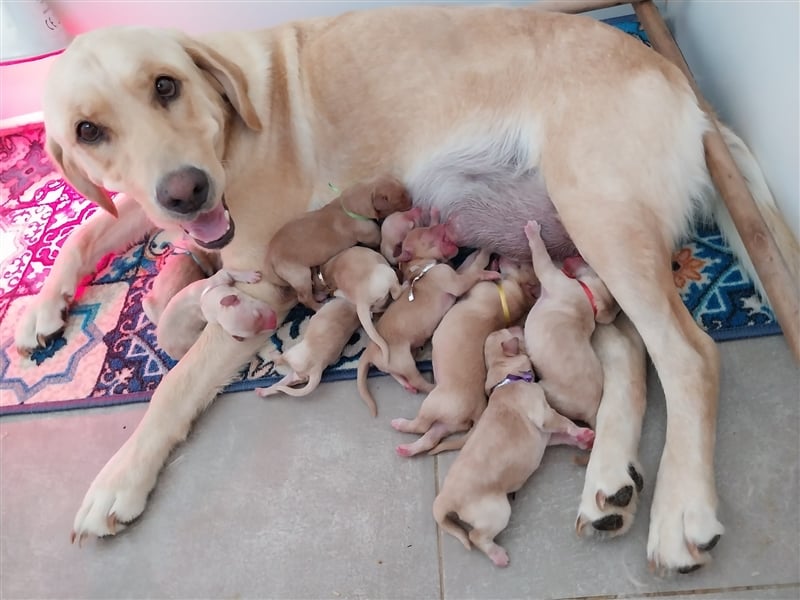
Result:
[744,55]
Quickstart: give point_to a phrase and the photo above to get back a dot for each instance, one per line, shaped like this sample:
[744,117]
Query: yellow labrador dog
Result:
[492,115]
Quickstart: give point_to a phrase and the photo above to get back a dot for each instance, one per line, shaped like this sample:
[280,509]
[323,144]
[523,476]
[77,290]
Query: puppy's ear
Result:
[510,347]
[228,74]
[230,300]
[381,202]
[78,179]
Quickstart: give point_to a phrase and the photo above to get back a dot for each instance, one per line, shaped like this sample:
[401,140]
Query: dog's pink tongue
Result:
[209,226]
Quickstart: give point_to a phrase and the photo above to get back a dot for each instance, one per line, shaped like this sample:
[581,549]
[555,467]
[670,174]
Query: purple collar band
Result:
[527,377]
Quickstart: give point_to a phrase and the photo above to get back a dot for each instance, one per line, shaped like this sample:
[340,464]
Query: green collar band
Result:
[349,213]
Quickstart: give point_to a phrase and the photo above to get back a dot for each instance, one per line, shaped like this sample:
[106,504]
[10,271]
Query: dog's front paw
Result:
[683,523]
[43,321]
[116,497]
[610,496]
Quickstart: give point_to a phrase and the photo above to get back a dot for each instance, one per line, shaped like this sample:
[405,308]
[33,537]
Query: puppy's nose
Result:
[183,191]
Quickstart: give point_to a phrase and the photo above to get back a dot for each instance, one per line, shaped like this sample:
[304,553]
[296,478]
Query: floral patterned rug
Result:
[108,354]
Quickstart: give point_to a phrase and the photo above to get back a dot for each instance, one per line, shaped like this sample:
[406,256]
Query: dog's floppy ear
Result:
[510,347]
[228,74]
[78,179]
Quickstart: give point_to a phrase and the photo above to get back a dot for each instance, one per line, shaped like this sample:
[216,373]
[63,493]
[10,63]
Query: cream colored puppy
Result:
[394,229]
[409,322]
[559,327]
[325,337]
[317,236]
[214,300]
[363,277]
[505,449]
[459,399]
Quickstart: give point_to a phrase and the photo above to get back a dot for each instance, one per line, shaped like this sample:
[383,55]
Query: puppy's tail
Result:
[361,381]
[451,443]
[784,238]
[441,512]
[365,316]
[285,385]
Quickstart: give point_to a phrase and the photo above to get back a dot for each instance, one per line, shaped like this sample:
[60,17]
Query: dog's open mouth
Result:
[212,230]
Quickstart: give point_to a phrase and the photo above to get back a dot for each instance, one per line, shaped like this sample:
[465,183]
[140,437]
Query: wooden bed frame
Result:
[767,260]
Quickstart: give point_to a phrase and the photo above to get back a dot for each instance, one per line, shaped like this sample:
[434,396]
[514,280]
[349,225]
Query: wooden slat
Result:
[578,6]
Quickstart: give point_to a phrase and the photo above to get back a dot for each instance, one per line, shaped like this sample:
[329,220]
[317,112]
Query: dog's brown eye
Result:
[88,132]
[166,88]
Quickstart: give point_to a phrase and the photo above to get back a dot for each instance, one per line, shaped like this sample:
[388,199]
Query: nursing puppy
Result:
[559,329]
[213,300]
[363,277]
[409,321]
[325,337]
[394,229]
[178,270]
[315,237]
[504,450]
[459,399]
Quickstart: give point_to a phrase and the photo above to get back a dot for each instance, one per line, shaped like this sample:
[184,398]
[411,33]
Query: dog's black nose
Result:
[183,191]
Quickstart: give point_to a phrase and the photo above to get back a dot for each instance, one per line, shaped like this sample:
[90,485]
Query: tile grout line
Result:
[697,592]
[439,557]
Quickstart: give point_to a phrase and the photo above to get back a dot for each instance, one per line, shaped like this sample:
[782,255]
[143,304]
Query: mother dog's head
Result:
[144,112]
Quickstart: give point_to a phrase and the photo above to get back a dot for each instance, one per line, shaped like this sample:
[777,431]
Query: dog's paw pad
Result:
[689,569]
[621,499]
[610,497]
[707,547]
[609,523]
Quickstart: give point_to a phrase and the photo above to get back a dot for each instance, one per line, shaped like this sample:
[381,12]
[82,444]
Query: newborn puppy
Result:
[394,230]
[409,322]
[317,236]
[559,328]
[177,270]
[458,399]
[326,335]
[504,450]
[363,277]
[213,300]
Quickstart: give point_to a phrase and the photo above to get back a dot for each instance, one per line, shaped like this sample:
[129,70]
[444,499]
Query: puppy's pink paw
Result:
[498,556]
[403,451]
[533,229]
[585,438]
[399,424]
[490,276]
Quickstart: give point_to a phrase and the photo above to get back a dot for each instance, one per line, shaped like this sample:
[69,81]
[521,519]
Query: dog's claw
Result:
[111,522]
[580,524]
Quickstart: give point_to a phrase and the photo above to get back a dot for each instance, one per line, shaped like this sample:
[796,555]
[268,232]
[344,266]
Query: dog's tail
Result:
[441,512]
[451,443]
[361,381]
[285,385]
[365,316]
[784,238]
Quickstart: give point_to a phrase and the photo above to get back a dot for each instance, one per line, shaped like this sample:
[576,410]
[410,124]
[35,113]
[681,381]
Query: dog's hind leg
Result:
[431,437]
[629,245]
[488,518]
[614,476]
[404,369]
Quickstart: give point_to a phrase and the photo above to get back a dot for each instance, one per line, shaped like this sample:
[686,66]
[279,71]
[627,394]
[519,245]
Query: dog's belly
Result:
[487,191]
